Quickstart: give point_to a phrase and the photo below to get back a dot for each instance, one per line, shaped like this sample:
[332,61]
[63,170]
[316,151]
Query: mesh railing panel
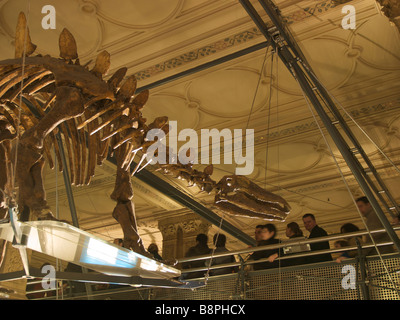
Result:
[309,282]
[227,287]
[382,286]
[317,283]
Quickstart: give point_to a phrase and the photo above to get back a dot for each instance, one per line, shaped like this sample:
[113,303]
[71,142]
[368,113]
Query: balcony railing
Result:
[375,277]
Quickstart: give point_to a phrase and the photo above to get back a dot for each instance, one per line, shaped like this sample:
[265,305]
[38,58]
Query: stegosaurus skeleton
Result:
[41,96]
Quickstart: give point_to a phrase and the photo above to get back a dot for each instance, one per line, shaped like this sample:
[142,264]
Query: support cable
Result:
[269,120]
[207,275]
[348,189]
[257,87]
[336,114]
[58,262]
[13,174]
[279,161]
[291,62]
[247,124]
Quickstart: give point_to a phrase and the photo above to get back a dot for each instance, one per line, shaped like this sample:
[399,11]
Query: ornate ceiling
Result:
[157,39]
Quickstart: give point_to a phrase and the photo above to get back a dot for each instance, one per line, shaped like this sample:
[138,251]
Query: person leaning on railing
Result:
[373,223]
[219,242]
[267,237]
[315,232]
[201,248]
[348,242]
[345,254]
[293,231]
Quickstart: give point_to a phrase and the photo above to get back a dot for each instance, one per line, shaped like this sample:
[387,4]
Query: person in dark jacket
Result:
[293,231]
[153,249]
[315,232]
[373,223]
[219,242]
[267,238]
[201,248]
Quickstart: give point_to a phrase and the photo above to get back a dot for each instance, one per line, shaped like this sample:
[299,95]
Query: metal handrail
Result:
[290,256]
[294,242]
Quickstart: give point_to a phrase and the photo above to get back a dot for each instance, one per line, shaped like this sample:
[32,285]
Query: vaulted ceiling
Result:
[158,39]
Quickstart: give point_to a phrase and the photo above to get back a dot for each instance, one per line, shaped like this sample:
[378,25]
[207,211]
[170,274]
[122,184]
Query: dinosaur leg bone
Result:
[29,179]
[124,211]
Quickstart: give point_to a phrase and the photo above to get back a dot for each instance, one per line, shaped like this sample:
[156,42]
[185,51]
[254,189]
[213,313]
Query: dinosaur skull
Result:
[238,196]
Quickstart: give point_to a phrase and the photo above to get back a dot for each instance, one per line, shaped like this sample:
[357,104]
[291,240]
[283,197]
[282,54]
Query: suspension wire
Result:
[267,146]
[59,283]
[273,52]
[20,100]
[258,85]
[14,169]
[348,189]
[269,120]
[247,124]
[267,143]
[56,175]
[341,106]
[325,140]
[102,222]
[55,170]
[356,123]
[269,49]
[278,128]
[304,195]
[380,183]
[207,275]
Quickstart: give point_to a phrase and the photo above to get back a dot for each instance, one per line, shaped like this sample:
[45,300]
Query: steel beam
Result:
[67,182]
[292,57]
[361,261]
[204,66]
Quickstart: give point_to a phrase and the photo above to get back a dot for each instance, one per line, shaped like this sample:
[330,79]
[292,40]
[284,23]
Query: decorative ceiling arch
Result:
[126,11]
